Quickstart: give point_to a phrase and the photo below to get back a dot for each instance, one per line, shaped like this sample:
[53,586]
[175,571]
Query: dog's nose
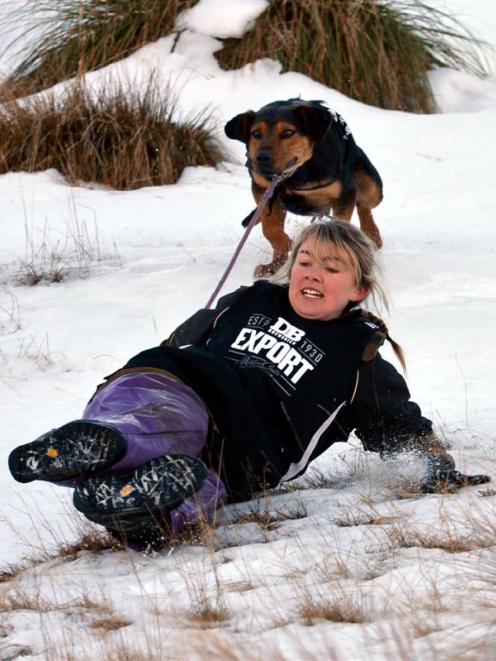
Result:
[264,157]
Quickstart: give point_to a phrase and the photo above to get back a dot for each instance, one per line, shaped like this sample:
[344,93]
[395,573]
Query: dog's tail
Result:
[246,221]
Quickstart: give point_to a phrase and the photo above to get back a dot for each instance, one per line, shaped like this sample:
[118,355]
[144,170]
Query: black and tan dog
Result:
[323,169]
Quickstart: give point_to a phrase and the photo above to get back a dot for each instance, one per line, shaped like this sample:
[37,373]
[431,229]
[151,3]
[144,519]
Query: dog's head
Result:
[280,137]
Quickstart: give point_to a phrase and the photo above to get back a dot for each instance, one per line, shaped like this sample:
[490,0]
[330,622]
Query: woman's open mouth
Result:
[312,293]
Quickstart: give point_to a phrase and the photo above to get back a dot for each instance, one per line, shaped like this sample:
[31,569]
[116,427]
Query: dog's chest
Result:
[314,200]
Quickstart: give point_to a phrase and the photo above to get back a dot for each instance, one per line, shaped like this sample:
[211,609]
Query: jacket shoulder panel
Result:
[196,329]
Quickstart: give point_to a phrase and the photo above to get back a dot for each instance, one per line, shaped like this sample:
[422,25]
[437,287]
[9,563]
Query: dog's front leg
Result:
[273,217]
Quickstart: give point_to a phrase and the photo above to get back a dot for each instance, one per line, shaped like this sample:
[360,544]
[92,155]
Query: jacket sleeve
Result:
[197,329]
[384,417]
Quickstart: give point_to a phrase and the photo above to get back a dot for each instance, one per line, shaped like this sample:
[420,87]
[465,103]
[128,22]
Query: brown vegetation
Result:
[376,52]
[82,36]
[119,138]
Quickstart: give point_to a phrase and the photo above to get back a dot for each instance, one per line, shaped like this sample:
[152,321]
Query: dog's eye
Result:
[256,134]
[287,133]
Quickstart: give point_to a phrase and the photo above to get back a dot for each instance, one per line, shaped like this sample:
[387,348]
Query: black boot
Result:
[127,503]
[79,448]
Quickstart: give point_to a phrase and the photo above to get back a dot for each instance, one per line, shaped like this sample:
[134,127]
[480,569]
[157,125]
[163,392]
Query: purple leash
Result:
[263,201]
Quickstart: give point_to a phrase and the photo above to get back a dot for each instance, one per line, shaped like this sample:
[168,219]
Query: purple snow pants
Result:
[159,415]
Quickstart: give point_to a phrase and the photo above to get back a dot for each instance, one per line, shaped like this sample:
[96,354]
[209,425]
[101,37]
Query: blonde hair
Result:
[352,245]
[324,239]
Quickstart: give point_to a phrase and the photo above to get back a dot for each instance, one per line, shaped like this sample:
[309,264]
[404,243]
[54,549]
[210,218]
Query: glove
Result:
[448,481]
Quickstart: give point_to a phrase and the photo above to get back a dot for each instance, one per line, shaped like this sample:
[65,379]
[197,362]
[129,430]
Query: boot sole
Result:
[160,484]
[79,448]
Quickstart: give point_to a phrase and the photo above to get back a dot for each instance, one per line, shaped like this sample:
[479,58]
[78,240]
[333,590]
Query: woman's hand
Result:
[448,481]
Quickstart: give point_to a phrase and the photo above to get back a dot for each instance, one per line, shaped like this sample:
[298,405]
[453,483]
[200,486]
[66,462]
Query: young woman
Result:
[242,398]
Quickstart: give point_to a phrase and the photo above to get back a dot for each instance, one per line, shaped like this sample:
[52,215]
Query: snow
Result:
[413,577]
[222,18]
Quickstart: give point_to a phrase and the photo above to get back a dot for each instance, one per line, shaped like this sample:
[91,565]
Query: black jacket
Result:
[281,389]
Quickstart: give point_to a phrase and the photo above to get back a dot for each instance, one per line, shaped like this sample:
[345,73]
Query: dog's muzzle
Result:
[264,166]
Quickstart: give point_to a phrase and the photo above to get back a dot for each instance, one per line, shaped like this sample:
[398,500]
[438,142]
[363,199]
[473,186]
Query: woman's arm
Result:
[385,418]
[387,421]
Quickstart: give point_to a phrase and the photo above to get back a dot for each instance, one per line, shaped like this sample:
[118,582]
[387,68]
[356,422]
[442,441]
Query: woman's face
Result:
[321,289]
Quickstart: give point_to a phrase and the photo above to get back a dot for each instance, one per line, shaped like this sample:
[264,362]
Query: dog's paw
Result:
[266,270]
[376,238]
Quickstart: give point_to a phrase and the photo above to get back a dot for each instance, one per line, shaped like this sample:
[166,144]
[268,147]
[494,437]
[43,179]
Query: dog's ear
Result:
[238,128]
[315,120]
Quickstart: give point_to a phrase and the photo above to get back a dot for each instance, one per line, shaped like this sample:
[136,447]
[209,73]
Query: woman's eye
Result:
[287,133]
[330,270]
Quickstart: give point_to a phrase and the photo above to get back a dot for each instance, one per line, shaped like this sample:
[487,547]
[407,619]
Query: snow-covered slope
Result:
[415,575]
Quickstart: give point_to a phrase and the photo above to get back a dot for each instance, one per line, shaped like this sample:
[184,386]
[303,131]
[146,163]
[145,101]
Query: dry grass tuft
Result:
[376,52]
[22,600]
[345,609]
[77,37]
[269,520]
[11,572]
[488,492]
[265,520]
[206,594]
[318,479]
[359,517]
[208,615]
[53,258]
[110,623]
[122,138]
[447,539]
[291,511]
[93,541]
[207,610]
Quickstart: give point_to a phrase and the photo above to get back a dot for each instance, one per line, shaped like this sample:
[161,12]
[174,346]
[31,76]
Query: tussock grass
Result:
[363,517]
[267,514]
[207,603]
[110,623]
[77,37]
[344,609]
[92,541]
[121,138]
[376,52]
[351,520]
[319,479]
[488,492]
[11,572]
[27,599]
[208,615]
[415,538]
[265,520]
[52,258]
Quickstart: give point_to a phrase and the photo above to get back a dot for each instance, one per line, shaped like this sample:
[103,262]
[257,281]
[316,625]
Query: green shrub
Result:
[119,138]
[375,52]
[80,36]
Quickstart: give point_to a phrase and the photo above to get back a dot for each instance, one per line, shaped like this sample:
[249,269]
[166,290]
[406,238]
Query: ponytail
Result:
[365,315]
